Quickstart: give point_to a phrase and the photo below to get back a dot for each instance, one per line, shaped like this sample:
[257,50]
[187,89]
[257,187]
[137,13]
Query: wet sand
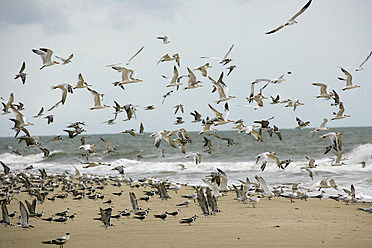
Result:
[273,223]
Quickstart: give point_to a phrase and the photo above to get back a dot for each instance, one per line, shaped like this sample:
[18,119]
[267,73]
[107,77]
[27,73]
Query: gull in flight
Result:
[323,91]
[197,116]
[221,118]
[192,83]
[222,90]
[167,57]
[225,60]
[58,241]
[207,126]
[335,138]
[179,107]
[8,105]
[66,88]
[360,68]
[292,20]
[274,80]
[19,120]
[40,113]
[46,55]
[196,156]
[349,83]
[22,74]
[81,82]
[340,113]
[175,80]
[301,123]
[110,149]
[203,69]
[263,159]
[164,39]
[258,99]
[65,61]
[127,76]
[321,128]
[166,95]
[128,62]
[97,100]
[337,161]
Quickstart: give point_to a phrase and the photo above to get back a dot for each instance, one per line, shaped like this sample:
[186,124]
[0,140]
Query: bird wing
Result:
[23,67]
[24,214]
[348,76]
[48,54]
[97,100]
[217,113]
[301,11]
[366,59]
[274,30]
[135,54]
[42,54]
[227,54]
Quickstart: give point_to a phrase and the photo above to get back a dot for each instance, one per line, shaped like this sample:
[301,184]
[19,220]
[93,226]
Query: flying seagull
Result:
[292,20]
[22,74]
[45,55]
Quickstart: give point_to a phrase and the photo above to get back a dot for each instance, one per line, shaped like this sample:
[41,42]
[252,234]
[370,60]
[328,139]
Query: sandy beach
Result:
[272,223]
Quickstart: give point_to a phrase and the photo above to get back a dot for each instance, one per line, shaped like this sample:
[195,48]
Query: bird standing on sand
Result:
[58,241]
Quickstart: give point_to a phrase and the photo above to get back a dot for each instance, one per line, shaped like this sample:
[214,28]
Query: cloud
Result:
[57,17]
[46,14]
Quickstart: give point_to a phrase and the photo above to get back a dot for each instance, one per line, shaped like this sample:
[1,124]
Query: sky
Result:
[330,33]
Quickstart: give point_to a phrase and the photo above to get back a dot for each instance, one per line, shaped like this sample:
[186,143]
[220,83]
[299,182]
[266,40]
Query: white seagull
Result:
[225,60]
[97,100]
[174,81]
[360,68]
[340,113]
[81,82]
[192,83]
[221,118]
[46,55]
[349,83]
[263,159]
[65,61]
[323,91]
[58,241]
[127,76]
[167,57]
[292,20]
[164,39]
[66,88]
[222,90]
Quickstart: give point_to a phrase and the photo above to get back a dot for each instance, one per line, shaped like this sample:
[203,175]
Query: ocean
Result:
[237,161]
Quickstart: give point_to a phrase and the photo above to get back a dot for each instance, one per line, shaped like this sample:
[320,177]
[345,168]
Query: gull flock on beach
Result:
[215,185]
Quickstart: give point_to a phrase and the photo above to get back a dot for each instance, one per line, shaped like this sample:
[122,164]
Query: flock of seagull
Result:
[248,192]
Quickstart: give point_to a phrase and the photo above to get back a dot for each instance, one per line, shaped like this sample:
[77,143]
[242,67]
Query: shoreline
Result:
[272,223]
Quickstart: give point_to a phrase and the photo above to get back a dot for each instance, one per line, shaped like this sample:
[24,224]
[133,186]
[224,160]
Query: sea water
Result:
[237,161]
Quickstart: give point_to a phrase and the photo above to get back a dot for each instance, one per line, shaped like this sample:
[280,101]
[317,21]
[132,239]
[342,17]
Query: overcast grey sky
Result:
[328,34]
